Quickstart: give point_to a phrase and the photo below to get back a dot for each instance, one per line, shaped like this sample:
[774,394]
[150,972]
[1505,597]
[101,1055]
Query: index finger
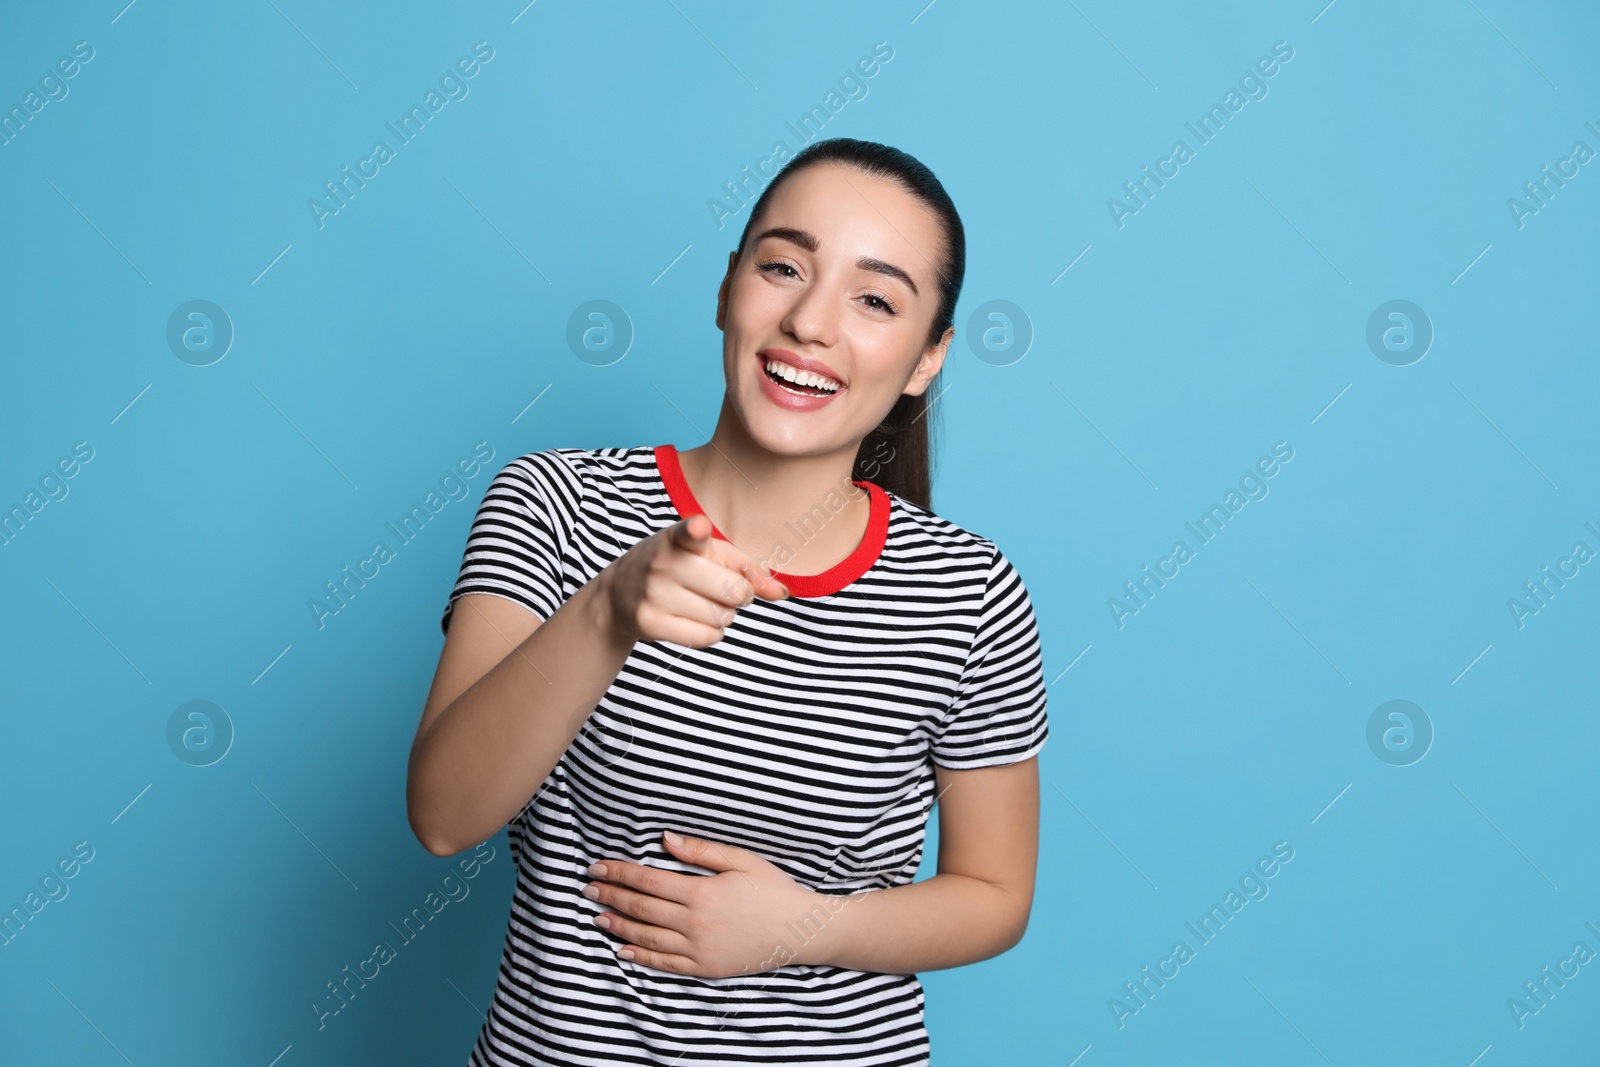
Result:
[653,881]
[684,534]
[757,574]
[727,554]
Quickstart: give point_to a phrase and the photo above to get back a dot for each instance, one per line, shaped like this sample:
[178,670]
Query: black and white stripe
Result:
[807,735]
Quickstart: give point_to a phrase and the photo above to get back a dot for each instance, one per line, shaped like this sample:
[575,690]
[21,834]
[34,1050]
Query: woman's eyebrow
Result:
[808,240]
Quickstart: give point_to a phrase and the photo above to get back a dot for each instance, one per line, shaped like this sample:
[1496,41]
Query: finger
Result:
[651,881]
[707,576]
[661,961]
[692,534]
[687,535]
[714,855]
[642,935]
[678,602]
[762,583]
[641,908]
[679,631]
[768,587]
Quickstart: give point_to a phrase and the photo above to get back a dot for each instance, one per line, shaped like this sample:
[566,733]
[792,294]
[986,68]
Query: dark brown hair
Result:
[898,453]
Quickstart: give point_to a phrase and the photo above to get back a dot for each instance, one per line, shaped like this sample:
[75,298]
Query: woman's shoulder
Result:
[924,533]
[911,524]
[922,536]
[572,462]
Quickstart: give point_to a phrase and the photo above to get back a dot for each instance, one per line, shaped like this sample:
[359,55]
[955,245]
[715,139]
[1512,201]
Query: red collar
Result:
[835,578]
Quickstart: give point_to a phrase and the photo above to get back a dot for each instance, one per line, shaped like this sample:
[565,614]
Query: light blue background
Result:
[1228,314]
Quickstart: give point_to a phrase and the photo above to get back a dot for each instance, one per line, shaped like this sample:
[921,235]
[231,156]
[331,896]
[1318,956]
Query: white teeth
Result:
[800,377]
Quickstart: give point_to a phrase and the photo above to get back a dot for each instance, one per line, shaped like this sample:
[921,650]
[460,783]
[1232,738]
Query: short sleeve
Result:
[520,535]
[998,715]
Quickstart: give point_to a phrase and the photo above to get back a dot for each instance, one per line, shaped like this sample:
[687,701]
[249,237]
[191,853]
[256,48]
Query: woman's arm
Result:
[509,696]
[974,908]
[511,692]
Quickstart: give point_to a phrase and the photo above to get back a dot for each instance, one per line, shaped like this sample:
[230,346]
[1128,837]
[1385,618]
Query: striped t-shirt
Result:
[807,735]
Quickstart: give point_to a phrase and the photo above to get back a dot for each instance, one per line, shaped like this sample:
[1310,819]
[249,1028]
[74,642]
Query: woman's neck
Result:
[796,514]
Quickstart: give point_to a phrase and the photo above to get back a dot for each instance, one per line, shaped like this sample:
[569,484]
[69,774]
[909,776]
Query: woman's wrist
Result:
[823,928]
[600,611]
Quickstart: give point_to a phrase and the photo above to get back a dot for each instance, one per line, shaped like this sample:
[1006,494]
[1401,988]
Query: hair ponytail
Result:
[897,455]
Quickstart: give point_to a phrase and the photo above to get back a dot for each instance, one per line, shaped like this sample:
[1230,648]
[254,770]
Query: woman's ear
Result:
[932,359]
[722,293]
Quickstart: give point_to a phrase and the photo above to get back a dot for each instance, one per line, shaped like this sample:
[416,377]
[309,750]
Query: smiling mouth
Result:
[802,383]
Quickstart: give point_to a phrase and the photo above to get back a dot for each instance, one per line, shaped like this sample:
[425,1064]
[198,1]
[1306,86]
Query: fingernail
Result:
[598,870]
[672,838]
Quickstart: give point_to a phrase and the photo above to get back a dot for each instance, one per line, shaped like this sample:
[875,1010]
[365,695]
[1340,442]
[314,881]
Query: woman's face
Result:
[837,278]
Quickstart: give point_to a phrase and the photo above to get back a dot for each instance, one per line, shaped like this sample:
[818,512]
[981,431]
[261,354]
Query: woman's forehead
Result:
[851,213]
[834,192]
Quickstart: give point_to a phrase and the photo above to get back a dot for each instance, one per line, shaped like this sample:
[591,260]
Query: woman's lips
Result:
[784,398]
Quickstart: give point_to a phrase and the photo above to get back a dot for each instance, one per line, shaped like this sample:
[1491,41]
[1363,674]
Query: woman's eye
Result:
[778,267]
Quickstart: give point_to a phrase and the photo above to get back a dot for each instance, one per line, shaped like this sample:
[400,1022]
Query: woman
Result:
[767,644]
